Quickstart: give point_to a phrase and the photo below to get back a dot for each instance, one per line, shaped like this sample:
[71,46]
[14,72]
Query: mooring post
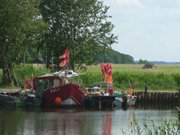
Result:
[100,104]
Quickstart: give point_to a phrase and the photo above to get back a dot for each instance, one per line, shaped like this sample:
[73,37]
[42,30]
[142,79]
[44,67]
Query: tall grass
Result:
[162,77]
[152,127]
[164,128]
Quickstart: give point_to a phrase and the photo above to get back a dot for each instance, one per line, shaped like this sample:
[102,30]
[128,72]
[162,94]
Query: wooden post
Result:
[99,104]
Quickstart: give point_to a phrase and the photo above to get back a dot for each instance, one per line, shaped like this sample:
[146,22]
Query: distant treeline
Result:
[108,55]
[112,56]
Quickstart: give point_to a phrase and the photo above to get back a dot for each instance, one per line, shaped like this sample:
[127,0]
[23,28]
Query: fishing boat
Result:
[47,90]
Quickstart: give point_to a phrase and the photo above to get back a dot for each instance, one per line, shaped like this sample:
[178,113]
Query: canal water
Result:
[78,122]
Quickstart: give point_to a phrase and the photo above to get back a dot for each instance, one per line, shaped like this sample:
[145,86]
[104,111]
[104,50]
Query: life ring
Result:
[57,101]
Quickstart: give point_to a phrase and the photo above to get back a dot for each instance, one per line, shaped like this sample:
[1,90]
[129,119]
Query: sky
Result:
[147,29]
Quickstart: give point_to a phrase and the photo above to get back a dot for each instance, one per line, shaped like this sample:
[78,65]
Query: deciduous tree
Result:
[80,25]
[18,20]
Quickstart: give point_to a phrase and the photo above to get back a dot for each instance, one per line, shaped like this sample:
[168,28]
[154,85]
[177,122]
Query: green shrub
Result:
[177,80]
[90,78]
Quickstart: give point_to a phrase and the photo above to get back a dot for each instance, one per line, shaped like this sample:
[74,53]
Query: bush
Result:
[90,78]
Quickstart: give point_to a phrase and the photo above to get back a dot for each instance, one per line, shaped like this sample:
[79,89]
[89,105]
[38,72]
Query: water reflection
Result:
[107,124]
[76,122]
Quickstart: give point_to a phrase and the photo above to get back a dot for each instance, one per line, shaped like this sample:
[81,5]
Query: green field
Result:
[161,77]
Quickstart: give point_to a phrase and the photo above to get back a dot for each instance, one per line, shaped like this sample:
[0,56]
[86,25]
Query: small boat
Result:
[18,99]
[96,97]
[55,90]
[99,102]
[6,99]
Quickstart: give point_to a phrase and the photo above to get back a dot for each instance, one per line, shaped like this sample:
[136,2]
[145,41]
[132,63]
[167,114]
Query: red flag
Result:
[107,76]
[64,59]
[107,72]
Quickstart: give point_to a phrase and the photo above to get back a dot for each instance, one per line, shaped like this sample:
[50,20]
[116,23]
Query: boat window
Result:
[44,84]
[69,72]
[56,83]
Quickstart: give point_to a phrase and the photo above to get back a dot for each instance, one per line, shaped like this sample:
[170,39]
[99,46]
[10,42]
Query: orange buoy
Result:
[57,101]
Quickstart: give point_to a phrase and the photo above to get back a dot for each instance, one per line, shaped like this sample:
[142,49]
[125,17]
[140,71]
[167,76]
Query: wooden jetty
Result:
[157,98]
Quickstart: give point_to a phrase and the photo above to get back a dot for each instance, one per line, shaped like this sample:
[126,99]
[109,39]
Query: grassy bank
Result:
[161,77]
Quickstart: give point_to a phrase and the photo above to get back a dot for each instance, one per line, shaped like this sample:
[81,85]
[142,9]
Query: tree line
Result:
[111,56]
[42,29]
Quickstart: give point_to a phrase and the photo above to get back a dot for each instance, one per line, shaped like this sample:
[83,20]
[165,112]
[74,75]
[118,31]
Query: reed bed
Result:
[166,127]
